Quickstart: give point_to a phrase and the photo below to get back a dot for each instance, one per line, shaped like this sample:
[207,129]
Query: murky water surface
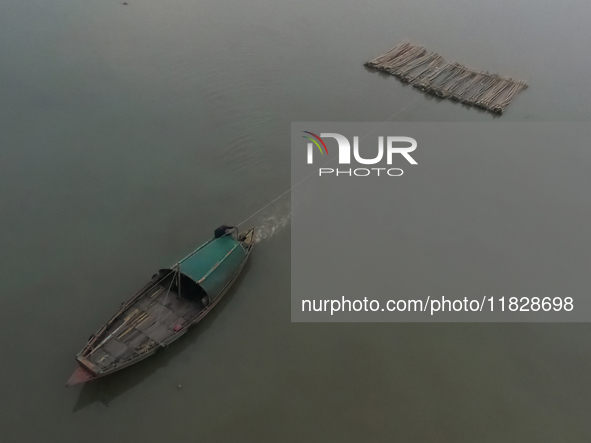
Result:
[130,132]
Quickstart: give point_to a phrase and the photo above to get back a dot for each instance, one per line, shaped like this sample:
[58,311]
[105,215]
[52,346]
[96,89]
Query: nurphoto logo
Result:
[394,145]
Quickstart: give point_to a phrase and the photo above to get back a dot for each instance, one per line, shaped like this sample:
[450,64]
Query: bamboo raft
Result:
[429,72]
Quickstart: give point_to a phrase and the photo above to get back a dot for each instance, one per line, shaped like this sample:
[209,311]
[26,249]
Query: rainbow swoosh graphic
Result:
[315,142]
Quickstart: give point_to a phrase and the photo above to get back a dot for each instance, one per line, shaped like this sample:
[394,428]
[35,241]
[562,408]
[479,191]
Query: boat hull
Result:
[87,371]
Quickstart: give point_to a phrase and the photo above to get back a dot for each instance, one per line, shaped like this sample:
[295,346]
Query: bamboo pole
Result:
[429,72]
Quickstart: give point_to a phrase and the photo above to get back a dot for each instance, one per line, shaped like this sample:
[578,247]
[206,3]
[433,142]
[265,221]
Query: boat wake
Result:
[270,225]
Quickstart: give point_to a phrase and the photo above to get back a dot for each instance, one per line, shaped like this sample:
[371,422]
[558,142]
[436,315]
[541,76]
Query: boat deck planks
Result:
[163,310]
[146,323]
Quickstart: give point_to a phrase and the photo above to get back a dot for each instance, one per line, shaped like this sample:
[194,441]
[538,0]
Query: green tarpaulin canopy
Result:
[214,263]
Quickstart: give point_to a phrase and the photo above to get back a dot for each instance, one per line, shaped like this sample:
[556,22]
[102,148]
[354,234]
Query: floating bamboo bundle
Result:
[429,72]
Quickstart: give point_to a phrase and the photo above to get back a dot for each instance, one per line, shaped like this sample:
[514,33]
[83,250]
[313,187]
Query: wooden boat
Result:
[162,311]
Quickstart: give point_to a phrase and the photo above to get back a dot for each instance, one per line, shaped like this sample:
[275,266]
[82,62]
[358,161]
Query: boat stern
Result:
[248,238]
